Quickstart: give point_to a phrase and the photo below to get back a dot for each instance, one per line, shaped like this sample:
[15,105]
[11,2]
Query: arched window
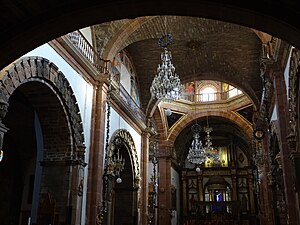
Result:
[233,91]
[208,93]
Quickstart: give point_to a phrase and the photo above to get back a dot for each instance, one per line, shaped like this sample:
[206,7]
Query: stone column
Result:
[77,166]
[251,197]
[251,192]
[234,185]
[96,154]
[282,110]
[266,196]
[266,185]
[164,186]
[200,185]
[184,199]
[145,175]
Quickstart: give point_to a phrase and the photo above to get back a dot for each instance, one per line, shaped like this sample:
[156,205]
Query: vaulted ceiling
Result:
[224,51]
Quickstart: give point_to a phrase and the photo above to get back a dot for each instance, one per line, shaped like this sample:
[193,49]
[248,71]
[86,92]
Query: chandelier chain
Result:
[102,207]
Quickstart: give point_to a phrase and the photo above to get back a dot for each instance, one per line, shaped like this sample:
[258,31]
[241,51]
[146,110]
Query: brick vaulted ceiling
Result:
[225,52]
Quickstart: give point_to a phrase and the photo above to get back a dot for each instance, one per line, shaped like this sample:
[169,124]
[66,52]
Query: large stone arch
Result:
[127,140]
[16,38]
[42,70]
[231,116]
[124,195]
[49,93]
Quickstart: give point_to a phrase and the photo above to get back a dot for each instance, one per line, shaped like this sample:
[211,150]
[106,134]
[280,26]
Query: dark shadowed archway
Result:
[124,196]
[44,146]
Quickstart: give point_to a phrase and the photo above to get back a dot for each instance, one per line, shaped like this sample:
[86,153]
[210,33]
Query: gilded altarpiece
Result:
[221,193]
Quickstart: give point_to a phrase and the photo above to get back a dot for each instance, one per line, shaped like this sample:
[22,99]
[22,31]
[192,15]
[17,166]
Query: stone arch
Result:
[231,116]
[127,140]
[41,70]
[49,93]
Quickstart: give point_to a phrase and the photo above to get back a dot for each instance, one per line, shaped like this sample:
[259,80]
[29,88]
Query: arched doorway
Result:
[44,157]
[125,194]
[221,190]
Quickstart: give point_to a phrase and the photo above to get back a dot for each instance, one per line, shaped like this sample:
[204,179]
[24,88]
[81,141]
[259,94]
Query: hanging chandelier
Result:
[166,84]
[197,154]
[208,143]
[211,152]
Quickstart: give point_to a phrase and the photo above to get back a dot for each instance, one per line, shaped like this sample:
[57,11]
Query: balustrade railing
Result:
[205,209]
[211,97]
[104,66]
[87,50]
[131,103]
[126,97]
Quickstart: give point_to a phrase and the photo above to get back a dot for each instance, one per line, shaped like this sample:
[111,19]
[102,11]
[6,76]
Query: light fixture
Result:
[166,83]
[259,133]
[208,142]
[1,155]
[168,112]
[211,152]
[196,154]
[115,162]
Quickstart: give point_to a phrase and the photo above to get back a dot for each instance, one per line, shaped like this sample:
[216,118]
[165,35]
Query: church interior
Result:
[149,113]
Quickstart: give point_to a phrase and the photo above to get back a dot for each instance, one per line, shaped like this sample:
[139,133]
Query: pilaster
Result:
[164,186]
[282,110]
[96,156]
[234,185]
[144,168]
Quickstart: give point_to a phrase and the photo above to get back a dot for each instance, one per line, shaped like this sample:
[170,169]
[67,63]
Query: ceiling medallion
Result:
[166,84]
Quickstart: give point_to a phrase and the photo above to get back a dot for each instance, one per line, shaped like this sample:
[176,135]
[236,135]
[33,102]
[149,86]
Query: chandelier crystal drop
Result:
[196,153]
[211,152]
[166,84]
[208,143]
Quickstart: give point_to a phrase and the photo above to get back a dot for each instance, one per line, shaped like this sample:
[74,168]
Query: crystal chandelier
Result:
[115,163]
[166,84]
[208,143]
[196,154]
[211,152]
